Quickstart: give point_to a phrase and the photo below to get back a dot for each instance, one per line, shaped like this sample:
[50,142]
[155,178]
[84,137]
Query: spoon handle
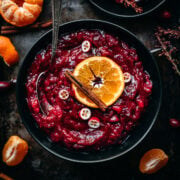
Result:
[56,12]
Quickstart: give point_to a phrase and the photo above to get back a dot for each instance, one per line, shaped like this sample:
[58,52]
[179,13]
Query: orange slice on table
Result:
[103,76]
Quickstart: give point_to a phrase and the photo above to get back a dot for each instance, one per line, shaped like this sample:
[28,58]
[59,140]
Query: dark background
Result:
[39,164]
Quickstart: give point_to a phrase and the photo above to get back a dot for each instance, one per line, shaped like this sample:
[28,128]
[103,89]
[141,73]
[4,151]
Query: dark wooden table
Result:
[39,164]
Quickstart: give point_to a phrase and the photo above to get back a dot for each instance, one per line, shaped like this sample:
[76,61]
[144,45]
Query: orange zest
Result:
[14,151]
[20,12]
[8,51]
[103,76]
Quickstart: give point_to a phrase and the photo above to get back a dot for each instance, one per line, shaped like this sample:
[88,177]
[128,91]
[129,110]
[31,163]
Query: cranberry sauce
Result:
[63,123]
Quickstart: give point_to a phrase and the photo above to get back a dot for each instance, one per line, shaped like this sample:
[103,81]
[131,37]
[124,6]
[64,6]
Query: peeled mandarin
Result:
[8,51]
[14,151]
[152,161]
[20,12]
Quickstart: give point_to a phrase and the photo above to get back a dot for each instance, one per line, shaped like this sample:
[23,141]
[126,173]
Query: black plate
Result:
[137,134]
[112,8]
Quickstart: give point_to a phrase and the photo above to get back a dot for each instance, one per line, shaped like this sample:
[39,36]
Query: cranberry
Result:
[166,14]
[117,108]
[94,122]
[174,123]
[86,46]
[4,86]
[85,113]
[127,77]
[56,136]
[63,94]
[114,119]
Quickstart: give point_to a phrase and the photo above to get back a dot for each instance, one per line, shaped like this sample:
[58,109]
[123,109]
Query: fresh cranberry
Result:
[166,14]
[174,123]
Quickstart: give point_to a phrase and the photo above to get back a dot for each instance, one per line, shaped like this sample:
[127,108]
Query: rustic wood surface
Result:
[39,164]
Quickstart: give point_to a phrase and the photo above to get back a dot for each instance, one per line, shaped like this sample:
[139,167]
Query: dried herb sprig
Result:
[131,3]
[164,38]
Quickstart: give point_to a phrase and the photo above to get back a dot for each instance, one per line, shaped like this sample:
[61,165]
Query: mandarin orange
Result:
[14,151]
[20,12]
[152,161]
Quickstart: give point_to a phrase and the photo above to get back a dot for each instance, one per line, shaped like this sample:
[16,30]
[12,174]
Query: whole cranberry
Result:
[166,14]
[174,123]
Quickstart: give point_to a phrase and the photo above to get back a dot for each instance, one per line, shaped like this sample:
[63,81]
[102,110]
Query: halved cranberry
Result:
[86,46]
[94,122]
[63,94]
[85,113]
[127,77]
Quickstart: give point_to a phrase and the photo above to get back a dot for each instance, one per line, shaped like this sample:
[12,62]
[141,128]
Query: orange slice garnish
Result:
[103,76]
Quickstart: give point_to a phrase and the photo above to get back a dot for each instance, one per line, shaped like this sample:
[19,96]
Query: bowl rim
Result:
[128,16]
[103,159]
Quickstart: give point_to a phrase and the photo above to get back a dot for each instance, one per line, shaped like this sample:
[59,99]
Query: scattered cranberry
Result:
[127,77]
[85,113]
[174,123]
[63,94]
[86,46]
[166,14]
[4,86]
[94,122]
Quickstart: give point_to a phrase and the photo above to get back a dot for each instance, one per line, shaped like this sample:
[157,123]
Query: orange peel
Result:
[8,51]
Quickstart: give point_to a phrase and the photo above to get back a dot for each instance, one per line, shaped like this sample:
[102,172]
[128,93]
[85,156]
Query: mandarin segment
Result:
[14,151]
[110,86]
[152,161]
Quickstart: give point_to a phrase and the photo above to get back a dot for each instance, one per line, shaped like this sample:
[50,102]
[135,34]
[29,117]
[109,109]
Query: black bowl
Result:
[137,134]
[118,10]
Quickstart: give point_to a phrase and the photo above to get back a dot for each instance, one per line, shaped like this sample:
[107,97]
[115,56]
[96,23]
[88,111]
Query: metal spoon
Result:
[56,12]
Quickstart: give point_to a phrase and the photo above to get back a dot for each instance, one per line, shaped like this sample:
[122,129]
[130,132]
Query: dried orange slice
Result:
[8,51]
[103,76]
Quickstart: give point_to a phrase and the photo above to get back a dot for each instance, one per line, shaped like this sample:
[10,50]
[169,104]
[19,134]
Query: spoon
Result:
[56,12]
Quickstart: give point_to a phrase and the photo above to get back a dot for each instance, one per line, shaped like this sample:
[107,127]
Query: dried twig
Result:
[131,3]
[164,37]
